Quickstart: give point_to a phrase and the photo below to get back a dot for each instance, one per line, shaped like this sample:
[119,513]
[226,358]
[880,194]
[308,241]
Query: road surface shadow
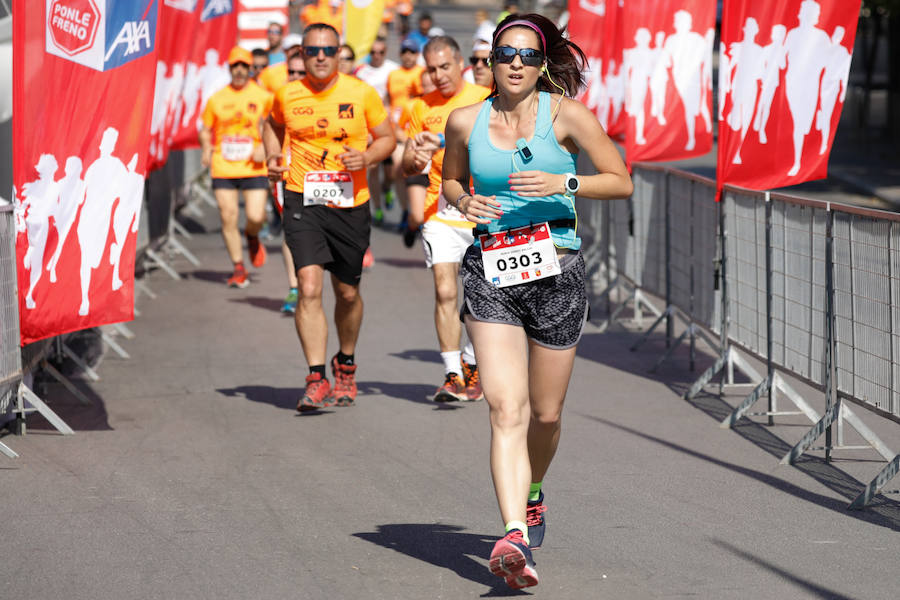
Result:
[270,304]
[414,392]
[402,263]
[882,512]
[420,354]
[444,546]
[281,397]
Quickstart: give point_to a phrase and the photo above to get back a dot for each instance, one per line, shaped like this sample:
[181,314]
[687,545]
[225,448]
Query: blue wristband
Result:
[441,138]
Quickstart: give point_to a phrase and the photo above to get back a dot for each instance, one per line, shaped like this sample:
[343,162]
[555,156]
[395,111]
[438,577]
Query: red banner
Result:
[189,70]
[595,25]
[782,80]
[253,21]
[667,65]
[82,96]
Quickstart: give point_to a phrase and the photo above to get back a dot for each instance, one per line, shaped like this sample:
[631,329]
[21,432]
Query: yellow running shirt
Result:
[234,116]
[320,124]
[430,114]
[274,77]
[402,85]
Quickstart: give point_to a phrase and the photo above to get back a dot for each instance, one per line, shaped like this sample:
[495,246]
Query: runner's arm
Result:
[206,144]
[273,141]
[383,144]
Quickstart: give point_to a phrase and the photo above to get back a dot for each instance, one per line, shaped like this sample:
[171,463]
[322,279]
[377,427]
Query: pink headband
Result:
[526,24]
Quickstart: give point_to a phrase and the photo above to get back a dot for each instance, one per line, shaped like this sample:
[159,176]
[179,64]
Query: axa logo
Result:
[100,34]
[434,120]
[302,110]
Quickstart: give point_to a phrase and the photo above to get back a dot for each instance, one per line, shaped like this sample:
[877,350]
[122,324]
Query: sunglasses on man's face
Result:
[314,50]
[474,60]
[296,72]
[507,54]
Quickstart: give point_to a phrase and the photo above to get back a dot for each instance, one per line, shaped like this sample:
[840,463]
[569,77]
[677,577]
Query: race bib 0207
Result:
[520,255]
[331,188]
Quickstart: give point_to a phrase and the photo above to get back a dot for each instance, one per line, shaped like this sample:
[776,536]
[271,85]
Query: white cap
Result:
[435,31]
[291,40]
[481,45]
[485,32]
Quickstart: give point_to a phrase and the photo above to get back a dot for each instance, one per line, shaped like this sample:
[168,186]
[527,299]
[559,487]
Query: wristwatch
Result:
[572,184]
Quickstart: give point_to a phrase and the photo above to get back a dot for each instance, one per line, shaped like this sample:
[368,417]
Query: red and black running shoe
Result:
[344,392]
[511,559]
[317,394]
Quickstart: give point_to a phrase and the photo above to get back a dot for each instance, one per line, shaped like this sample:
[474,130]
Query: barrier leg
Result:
[91,373]
[123,331]
[174,244]
[180,229]
[142,287]
[666,313]
[39,406]
[109,341]
[886,474]
[4,449]
[813,434]
[749,401]
[159,262]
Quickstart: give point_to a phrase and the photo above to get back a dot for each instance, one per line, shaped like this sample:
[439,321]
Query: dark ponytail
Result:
[565,60]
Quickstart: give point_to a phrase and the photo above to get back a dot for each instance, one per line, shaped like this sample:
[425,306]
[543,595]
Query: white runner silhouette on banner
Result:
[781,69]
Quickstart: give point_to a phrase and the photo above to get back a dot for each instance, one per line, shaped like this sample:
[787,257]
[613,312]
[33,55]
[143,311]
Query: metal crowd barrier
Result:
[809,288]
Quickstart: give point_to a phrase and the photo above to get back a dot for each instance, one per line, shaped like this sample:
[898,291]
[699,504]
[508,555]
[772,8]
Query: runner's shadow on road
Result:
[270,304]
[421,354]
[280,397]
[443,546]
[210,276]
[414,392]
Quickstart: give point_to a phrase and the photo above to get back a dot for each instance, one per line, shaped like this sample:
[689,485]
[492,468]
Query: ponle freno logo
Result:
[100,34]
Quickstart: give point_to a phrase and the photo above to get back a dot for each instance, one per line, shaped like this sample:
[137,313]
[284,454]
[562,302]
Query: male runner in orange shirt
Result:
[446,234]
[274,77]
[231,137]
[328,117]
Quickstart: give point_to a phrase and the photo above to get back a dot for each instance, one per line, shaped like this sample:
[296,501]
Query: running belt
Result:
[490,167]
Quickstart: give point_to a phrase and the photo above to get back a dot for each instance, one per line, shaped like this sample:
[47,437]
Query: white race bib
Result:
[237,148]
[332,188]
[519,255]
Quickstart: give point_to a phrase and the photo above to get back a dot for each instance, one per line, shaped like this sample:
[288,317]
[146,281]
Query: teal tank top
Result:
[490,168]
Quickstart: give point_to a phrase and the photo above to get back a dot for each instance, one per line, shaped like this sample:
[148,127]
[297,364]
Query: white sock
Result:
[451,362]
[468,354]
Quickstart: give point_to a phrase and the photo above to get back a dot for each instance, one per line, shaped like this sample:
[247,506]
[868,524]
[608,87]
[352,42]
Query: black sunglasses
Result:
[314,50]
[297,72]
[507,54]
[474,60]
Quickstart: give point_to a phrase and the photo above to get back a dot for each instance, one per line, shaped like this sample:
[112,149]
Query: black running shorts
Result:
[420,179]
[336,238]
[241,183]
[552,311]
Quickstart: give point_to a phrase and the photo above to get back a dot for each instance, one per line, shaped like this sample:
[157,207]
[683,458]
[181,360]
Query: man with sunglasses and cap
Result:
[445,234]
[275,76]
[328,116]
[231,137]
[479,70]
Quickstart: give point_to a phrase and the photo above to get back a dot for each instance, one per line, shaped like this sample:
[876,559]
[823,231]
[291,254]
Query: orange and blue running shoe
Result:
[473,382]
[534,518]
[511,559]
[453,389]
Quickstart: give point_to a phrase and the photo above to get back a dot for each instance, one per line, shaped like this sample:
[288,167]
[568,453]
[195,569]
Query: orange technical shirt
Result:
[274,77]
[403,84]
[320,124]
[234,118]
[431,115]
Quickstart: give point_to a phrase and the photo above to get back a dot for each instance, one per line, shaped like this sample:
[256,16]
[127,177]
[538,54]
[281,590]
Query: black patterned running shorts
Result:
[552,311]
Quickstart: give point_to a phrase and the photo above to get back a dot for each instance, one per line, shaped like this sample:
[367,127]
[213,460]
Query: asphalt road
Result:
[191,475]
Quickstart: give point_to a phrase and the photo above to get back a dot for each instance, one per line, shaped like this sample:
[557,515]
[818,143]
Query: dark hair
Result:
[565,60]
[276,24]
[442,41]
[259,52]
[425,15]
[321,26]
[350,48]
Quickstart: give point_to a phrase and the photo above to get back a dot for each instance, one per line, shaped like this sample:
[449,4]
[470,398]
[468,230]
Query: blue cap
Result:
[409,44]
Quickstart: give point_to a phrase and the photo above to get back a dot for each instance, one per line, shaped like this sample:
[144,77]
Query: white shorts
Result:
[443,243]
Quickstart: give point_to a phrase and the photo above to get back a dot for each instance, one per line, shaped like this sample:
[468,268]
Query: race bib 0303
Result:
[520,255]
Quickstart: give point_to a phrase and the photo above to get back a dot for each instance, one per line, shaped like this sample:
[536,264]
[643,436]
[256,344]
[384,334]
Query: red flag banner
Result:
[83,91]
[595,26]
[667,64]
[254,17]
[782,80]
[190,68]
